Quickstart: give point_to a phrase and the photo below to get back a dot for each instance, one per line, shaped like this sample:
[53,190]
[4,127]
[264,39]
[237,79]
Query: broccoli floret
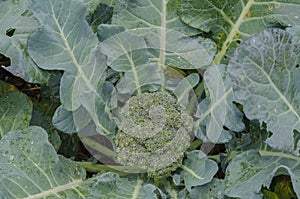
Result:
[154,132]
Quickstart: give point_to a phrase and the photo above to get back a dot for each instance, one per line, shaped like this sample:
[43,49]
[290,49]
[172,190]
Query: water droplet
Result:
[11,157]
[296,17]
[31,143]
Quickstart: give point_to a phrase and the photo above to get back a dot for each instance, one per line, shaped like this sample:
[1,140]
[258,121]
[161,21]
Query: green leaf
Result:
[15,109]
[232,21]
[66,42]
[44,109]
[30,168]
[92,4]
[250,170]
[16,18]
[149,14]
[157,22]
[139,77]
[198,169]
[218,110]
[61,44]
[266,82]
[213,190]
[295,32]
[64,120]
[128,53]
[184,87]
[110,185]
[102,14]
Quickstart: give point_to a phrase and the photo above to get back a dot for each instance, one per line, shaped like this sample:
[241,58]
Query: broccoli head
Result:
[154,132]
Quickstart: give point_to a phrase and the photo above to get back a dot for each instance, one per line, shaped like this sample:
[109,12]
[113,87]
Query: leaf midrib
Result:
[137,189]
[74,60]
[56,189]
[162,41]
[234,30]
[190,171]
[278,154]
[214,105]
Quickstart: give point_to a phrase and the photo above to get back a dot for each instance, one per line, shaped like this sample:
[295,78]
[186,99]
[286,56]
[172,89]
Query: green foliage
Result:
[138,81]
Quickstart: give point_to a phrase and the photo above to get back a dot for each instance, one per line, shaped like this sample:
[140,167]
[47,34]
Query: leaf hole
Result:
[10,32]
[220,35]
[297,66]
[238,42]
[4,61]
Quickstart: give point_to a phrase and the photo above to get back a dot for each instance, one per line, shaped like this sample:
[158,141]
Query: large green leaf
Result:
[198,169]
[110,185]
[250,170]
[15,109]
[153,14]
[16,18]
[62,44]
[266,82]
[128,53]
[218,110]
[233,21]
[66,42]
[30,168]
[157,22]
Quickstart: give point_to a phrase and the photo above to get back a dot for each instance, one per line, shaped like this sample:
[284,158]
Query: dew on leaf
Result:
[258,106]
[285,107]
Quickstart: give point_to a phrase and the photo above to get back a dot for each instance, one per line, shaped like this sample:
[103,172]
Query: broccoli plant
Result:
[150,99]
[154,132]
